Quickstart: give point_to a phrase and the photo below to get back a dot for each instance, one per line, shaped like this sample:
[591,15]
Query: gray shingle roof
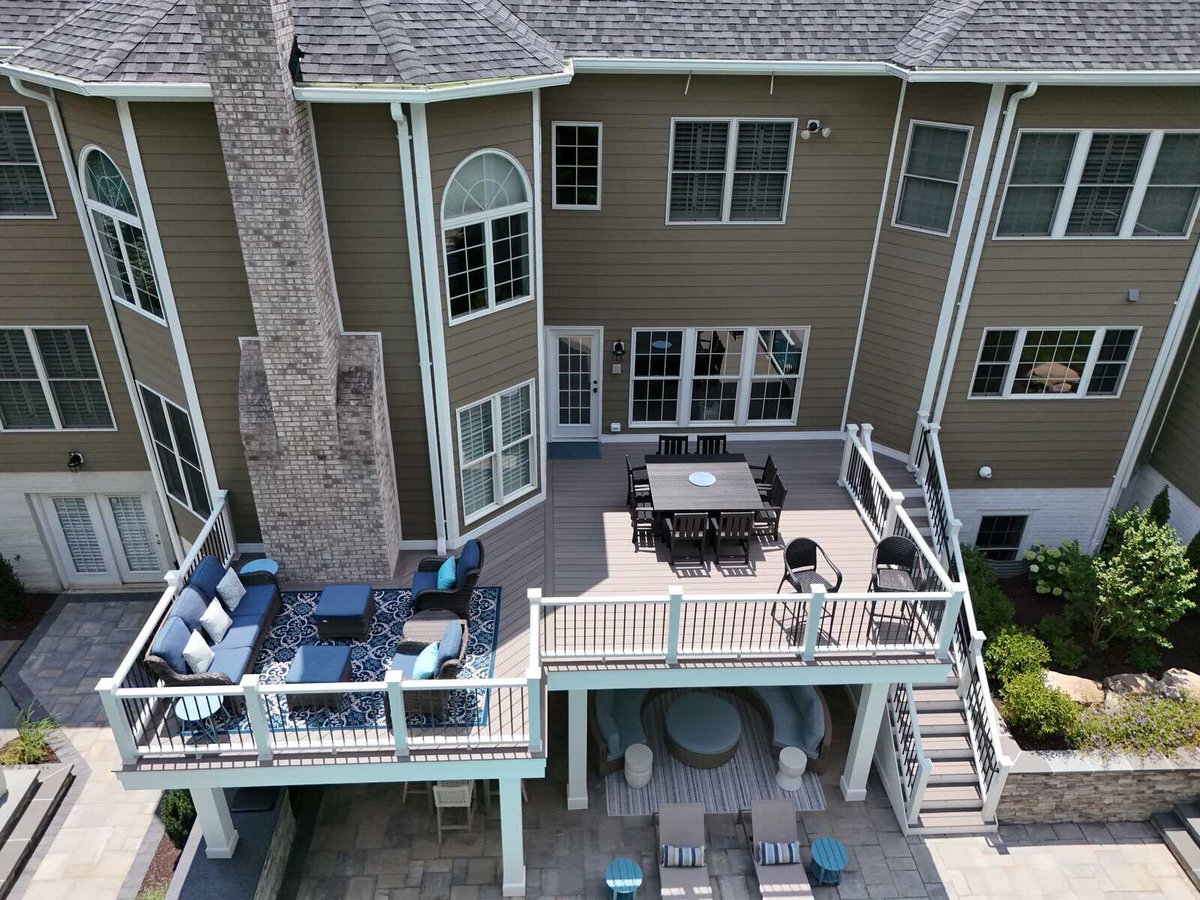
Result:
[425,42]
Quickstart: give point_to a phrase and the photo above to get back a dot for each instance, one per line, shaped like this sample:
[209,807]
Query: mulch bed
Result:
[162,867]
[36,606]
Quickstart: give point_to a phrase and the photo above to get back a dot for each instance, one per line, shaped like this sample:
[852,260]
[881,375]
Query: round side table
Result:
[792,763]
[199,711]
[639,764]
[829,857]
[623,877]
[264,566]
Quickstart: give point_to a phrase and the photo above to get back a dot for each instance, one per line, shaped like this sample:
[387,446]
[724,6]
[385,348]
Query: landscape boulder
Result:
[1180,683]
[1081,690]
[1127,684]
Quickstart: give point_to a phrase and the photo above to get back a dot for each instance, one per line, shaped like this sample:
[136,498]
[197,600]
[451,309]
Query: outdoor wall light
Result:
[618,350]
[74,460]
[814,127]
[985,472]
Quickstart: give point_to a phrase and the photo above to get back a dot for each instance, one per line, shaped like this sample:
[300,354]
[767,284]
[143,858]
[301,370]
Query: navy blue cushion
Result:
[256,618]
[424,581]
[317,665]
[256,603]
[207,576]
[168,644]
[242,633]
[233,662]
[468,561]
[450,644]
[405,663]
[190,606]
[344,601]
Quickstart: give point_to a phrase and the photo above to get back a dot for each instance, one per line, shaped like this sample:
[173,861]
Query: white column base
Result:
[851,794]
[872,702]
[577,793]
[512,838]
[216,824]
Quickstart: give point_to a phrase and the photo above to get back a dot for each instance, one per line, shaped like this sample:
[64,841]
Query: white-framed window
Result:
[175,447]
[1053,362]
[119,234]
[729,170]
[716,376]
[1094,183]
[50,381]
[934,160]
[1000,536]
[496,450]
[576,174]
[486,235]
[24,192]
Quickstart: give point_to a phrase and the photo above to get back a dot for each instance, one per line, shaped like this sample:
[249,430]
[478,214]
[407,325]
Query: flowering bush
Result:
[1064,571]
[1140,725]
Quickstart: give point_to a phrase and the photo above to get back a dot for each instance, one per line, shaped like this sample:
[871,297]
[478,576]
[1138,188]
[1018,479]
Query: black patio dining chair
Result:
[641,520]
[894,564]
[637,484]
[767,473]
[672,444]
[800,560]
[683,534]
[712,444]
[767,519]
[732,530]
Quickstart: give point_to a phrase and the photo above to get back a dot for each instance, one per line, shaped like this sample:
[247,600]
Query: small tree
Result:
[1193,557]
[1142,588]
[12,593]
[1160,507]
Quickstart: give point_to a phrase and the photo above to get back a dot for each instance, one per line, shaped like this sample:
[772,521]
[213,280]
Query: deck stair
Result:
[38,799]
[1180,830]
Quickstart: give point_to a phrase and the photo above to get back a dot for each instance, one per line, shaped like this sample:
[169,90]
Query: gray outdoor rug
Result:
[730,788]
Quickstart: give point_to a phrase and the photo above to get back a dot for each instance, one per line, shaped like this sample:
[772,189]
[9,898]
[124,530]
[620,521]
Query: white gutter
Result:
[412,231]
[127,90]
[1084,78]
[655,66]
[376,93]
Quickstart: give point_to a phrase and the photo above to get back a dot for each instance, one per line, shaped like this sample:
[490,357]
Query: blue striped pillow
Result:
[779,853]
[682,857]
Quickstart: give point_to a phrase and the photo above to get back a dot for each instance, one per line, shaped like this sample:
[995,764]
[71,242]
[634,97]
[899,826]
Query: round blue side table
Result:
[623,877]
[264,566]
[829,857]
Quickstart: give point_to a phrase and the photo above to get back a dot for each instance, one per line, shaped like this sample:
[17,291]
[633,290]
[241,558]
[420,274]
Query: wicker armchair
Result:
[426,593]
[417,636]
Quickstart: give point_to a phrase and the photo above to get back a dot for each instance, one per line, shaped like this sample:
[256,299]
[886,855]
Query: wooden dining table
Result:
[671,491]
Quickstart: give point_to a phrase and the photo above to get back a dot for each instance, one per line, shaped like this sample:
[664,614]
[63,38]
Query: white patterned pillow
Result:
[231,590]
[777,853]
[197,654]
[215,621]
[682,857]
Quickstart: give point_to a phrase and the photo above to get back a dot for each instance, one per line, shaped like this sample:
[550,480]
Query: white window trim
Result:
[745,377]
[1066,199]
[40,366]
[958,182]
[37,153]
[1027,514]
[1084,377]
[174,448]
[554,204]
[122,217]
[487,217]
[502,499]
[730,161]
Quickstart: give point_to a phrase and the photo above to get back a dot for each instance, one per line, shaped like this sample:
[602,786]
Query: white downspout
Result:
[64,152]
[412,233]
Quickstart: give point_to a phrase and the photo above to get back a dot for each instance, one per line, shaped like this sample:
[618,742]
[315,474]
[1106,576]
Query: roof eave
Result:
[1067,77]
[410,93]
[115,90]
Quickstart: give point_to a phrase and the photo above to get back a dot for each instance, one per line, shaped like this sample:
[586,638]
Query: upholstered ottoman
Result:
[318,665]
[344,612]
[703,730]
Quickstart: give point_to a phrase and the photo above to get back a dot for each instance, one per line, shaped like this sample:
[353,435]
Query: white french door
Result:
[103,539]
[573,393]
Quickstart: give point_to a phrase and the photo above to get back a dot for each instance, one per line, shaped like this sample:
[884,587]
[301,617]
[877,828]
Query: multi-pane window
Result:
[120,236]
[577,165]
[23,189]
[175,446]
[496,451]
[485,232]
[735,376]
[1053,362]
[49,380]
[1106,184]
[933,169]
[999,537]
[730,170]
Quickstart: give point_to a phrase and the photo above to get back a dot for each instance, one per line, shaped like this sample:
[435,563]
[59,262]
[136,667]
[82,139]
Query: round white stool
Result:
[639,762]
[792,763]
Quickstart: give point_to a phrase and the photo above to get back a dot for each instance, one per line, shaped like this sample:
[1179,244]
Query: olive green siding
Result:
[151,354]
[1068,442]
[623,267]
[47,279]
[359,157]
[498,350]
[907,286]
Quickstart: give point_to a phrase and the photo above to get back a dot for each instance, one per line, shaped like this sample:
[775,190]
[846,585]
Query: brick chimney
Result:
[312,407]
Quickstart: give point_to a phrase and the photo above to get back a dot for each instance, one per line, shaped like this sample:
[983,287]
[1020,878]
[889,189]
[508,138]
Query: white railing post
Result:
[674,608]
[230,548]
[914,446]
[895,501]
[173,578]
[867,428]
[812,625]
[991,800]
[847,450]
[395,698]
[949,621]
[533,685]
[535,627]
[122,733]
[260,728]
[917,797]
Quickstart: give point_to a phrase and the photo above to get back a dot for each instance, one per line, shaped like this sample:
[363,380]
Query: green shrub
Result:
[1064,571]
[1036,711]
[1146,725]
[1193,557]
[1014,652]
[1144,657]
[993,609]
[32,743]
[178,815]
[1160,507]
[1068,653]
[12,593]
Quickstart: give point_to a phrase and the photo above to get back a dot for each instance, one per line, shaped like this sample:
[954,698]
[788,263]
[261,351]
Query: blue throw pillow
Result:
[777,853]
[427,662]
[168,644]
[190,607]
[446,575]
[470,557]
[207,576]
[451,643]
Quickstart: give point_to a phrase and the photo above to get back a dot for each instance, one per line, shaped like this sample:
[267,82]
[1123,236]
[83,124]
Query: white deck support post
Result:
[867,428]
[216,824]
[395,697]
[577,793]
[991,799]
[913,466]
[949,620]
[122,733]
[533,689]
[674,608]
[895,501]
[872,704]
[812,624]
[847,449]
[512,838]
[534,596]
[260,728]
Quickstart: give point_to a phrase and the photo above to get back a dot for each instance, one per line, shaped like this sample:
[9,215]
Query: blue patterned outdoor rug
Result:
[370,660]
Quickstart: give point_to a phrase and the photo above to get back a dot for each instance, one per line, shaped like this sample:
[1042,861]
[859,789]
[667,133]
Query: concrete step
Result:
[951,746]
[951,823]
[1189,814]
[941,723]
[953,772]
[22,839]
[1180,842]
[951,798]
[936,699]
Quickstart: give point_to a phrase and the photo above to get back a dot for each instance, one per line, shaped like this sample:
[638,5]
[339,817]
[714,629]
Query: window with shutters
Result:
[175,448]
[24,193]
[576,171]
[1053,362]
[497,455]
[729,170]
[1102,184]
[50,381]
[929,183]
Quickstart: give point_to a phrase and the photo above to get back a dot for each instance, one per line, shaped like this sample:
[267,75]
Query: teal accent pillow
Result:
[427,662]
[446,575]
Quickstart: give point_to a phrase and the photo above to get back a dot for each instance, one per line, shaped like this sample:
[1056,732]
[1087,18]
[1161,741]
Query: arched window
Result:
[485,233]
[119,234]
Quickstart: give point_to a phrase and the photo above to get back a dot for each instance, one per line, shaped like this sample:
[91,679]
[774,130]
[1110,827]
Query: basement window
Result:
[1000,537]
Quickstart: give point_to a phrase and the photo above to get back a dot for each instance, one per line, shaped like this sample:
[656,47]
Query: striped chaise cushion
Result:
[780,853]
[682,857]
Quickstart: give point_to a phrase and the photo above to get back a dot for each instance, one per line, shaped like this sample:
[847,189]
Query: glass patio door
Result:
[104,540]
[574,395]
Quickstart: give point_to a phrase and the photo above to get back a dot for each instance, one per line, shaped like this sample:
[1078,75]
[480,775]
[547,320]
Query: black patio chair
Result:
[894,564]
[682,532]
[767,473]
[766,520]
[641,520]
[800,567]
[712,444]
[732,528]
[672,444]
[637,484]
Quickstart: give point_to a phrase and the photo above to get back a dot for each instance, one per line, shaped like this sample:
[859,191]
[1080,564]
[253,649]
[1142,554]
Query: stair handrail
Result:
[908,742]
